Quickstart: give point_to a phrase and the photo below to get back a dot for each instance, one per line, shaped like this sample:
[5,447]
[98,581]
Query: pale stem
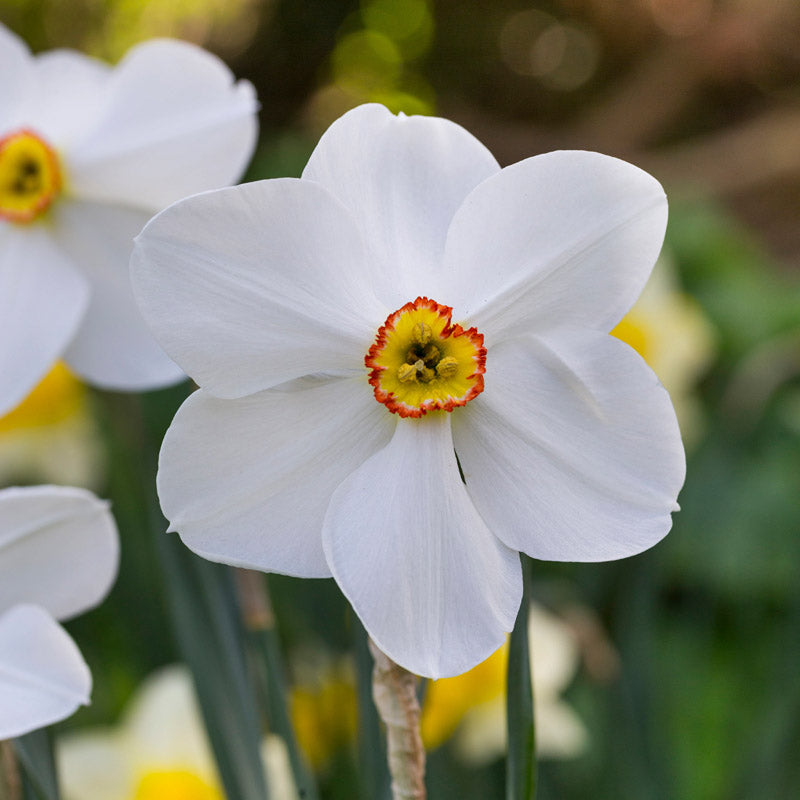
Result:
[394,690]
[10,784]
[256,606]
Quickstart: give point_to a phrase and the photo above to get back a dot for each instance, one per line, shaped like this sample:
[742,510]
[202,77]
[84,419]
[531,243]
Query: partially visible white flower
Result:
[58,557]
[668,329]
[158,750]
[52,436]
[406,375]
[560,733]
[87,154]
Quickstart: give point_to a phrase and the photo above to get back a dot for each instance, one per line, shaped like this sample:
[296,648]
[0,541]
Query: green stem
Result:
[521,760]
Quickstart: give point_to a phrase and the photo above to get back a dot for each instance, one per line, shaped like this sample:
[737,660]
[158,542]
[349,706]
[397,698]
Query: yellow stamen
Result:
[447,367]
[30,176]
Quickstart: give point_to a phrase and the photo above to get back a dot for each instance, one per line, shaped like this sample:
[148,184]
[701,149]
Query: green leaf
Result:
[37,766]
[521,759]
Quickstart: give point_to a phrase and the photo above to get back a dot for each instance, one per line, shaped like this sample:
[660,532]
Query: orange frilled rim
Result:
[421,361]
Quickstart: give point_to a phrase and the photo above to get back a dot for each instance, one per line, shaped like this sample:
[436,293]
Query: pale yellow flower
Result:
[158,752]
[52,436]
[472,706]
[324,710]
[669,330]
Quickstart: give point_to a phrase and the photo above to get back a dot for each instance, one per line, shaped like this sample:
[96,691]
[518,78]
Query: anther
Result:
[407,373]
[447,367]
[422,333]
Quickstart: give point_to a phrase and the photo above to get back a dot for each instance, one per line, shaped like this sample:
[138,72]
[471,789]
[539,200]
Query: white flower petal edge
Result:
[402,178]
[174,123]
[15,59]
[43,677]
[252,286]
[564,238]
[573,451]
[58,549]
[42,299]
[112,347]
[435,589]
[247,482]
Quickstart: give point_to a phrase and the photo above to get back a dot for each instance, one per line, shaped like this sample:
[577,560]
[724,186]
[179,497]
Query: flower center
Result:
[30,176]
[422,362]
[175,784]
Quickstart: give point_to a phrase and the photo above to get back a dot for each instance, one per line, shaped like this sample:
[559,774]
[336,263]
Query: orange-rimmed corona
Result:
[30,176]
[421,361]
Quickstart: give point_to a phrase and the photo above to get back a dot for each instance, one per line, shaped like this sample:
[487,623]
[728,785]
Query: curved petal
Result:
[174,123]
[572,452]
[247,481]
[255,285]
[565,238]
[434,588]
[43,677]
[113,347]
[42,300]
[69,94]
[164,727]
[402,178]
[16,67]
[58,549]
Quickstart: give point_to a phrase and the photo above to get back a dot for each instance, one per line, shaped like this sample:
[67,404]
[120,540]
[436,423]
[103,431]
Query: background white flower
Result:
[52,435]
[58,557]
[87,154]
[270,295]
[159,750]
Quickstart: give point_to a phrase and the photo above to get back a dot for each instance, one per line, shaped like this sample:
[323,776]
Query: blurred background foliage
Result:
[689,653]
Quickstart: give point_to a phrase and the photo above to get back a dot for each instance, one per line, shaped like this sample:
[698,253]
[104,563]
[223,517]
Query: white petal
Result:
[43,677]
[255,285]
[69,93]
[562,238]
[402,179]
[16,67]
[554,651]
[58,549]
[42,300]
[93,764]
[174,123]
[247,481]
[113,347]
[572,452]
[164,727]
[434,588]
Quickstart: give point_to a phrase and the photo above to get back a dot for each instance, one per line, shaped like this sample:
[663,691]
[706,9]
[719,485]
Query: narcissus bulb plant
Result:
[87,154]
[406,375]
[58,558]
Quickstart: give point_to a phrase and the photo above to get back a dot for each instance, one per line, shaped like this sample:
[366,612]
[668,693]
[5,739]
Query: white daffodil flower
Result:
[159,750]
[58,558]
[406,375]
[87,154]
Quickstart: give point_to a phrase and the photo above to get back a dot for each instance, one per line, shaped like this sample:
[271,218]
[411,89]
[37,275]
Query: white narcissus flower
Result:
[58,557]
[159,750]
[87,154]
[406,375]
